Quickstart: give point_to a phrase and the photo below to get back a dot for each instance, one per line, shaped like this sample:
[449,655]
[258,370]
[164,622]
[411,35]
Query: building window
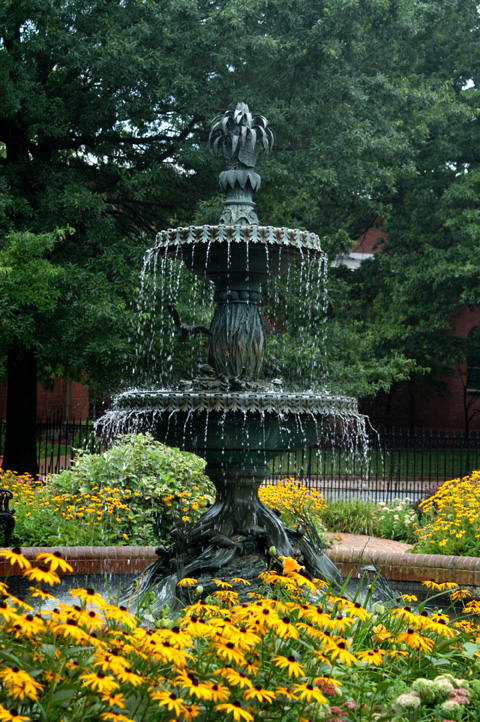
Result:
[473,362]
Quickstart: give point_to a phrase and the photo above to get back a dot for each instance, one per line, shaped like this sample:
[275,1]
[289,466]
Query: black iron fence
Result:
[395,462]
[58,442]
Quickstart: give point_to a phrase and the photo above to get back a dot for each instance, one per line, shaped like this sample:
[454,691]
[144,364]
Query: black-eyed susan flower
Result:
[89,596]
[259,693]
[286,692]
[29,625]
[54,561]
[119,614]
[99,682]
[309,693]
[12,715]
[187,582]
[244,638]
[340,652]
[228,650]
[294,668]
[19,683]
[236,710]
[191,712]
[235,678]
[112,716]
[128,676]
[371,656]
[15,557]
[170,700]
[222,583]
[459,594]
[37,593]
[7,612]
[285,629]
[219,691]
[115,699]
[415,640]
[42,574]
[188,681]
[69,629]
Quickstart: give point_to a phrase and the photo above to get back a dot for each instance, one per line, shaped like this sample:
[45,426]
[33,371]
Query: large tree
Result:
[427,272]
[104,115]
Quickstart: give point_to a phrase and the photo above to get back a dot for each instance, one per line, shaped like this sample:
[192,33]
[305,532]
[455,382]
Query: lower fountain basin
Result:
[246,428]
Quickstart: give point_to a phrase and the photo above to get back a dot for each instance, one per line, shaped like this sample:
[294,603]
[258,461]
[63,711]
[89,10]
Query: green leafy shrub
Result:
[135,493]
[162,486]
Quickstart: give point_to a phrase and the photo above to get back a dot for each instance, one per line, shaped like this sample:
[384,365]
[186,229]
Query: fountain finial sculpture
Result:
[240,423]
[239,136]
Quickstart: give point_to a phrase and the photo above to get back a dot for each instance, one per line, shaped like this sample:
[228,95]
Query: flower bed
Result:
[279,656]
[451,522]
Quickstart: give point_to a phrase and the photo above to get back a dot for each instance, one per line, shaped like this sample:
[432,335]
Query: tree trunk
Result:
[20,452]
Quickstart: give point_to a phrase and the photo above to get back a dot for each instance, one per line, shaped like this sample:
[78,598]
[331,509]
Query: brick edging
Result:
[411,567]
[393,565]
[91,560]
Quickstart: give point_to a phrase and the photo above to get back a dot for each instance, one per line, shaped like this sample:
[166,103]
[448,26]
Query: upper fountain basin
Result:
[231,254]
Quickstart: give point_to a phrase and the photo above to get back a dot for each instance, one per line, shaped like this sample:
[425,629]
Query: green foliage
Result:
[136,493]
[398,521]
[351,516]
[159,484]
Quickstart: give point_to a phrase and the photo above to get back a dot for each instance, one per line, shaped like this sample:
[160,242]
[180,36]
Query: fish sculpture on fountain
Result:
[239,423]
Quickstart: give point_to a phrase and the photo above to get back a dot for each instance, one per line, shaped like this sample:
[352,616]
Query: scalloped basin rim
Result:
[251,402]
[266,235]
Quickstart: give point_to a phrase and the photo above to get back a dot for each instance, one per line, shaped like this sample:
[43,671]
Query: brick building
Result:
[67,401]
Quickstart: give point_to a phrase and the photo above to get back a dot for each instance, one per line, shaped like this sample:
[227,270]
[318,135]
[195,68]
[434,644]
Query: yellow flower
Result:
[38,574]
[115,717]
[89,596]
[54,561]
[236,710]
[290,565]
[99,682]
[380,633]
[234,677]
[308,693]
[341,652]
[19,684]
[12,715]
[289,663]
[259,693]
[114,700]
[222,583]
[170,700]
[15,556]
[371,656]
[187,582]
[415,640]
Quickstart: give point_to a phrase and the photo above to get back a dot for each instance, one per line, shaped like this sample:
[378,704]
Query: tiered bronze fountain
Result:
[239,424]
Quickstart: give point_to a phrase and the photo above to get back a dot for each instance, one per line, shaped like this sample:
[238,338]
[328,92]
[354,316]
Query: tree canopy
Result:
[104,118]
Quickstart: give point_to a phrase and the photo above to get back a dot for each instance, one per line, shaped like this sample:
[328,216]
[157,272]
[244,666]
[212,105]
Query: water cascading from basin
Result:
[226,413]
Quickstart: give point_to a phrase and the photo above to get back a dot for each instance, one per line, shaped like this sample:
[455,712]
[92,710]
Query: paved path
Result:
[358,543]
